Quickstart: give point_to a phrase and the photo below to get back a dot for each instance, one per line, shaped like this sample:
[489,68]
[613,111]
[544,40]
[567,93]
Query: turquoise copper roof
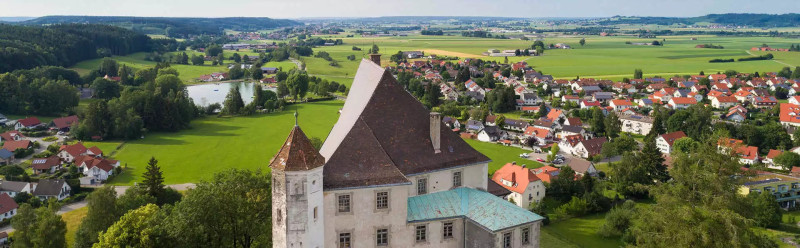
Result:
[483,208]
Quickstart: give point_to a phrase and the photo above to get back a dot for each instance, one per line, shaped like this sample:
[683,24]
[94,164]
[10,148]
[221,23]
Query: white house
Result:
[620,104]
[12,188]
[681,102]
[8,207]
[525,187]
[665,141]
[52,188]
[723,102]
[636,124]
[95,170]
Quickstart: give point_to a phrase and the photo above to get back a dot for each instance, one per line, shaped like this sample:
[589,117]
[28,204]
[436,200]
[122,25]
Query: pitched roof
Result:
[297,153]
[580,165]
[49,187]
[575,121]
[573,140]
[75,150]
[536,131]
[519,177]
[7,203]
[673,136]
[13,145]
[91,162]
[683,100]
[554,114]
[594,146]
[728,99]
[10,135]
[13,186]
[790,113]
[621,102]
[546,173]
[490,212]
[773,153]
[496,189]
[383,134]
[65,122]
[572,129]
[45,163]
[30,121]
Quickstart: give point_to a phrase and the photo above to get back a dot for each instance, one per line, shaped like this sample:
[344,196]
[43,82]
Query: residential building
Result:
[8,208]
[546,173]
[52,189]
[589,148]
[95,169]
[12,188]
[64,124]
[582,167]
[636,124]
[30,122]
[665,141]
[69,153]
[46,165]
[525,187]
[785,191]
[620,104]
[682,102]
[492,134]
[723,102]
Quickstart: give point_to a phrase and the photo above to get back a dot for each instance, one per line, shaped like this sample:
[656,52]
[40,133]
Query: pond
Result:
[207,94]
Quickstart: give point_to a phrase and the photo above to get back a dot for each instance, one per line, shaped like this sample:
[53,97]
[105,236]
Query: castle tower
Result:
[297,219]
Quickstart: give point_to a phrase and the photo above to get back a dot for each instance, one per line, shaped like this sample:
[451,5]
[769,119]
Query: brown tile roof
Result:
[91,162]
[297,154]
[773,153]
[30,121]
[45,163]
[673,136]
[7,203]
[594,146]
[383,134]
[75,150]
[13,145]
[65,122]
[10,135]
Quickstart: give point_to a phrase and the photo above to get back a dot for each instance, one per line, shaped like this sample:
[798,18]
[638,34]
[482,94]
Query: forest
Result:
[172,26]
[66,44]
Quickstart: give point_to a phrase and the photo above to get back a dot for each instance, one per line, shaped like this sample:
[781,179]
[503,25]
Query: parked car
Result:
[524,155]
[558,161]
[540,159]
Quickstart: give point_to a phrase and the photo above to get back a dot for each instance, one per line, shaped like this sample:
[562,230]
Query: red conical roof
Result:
[297,154]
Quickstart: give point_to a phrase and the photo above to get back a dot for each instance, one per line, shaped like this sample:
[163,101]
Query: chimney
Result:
[376,58]
[524,166]
[436,123]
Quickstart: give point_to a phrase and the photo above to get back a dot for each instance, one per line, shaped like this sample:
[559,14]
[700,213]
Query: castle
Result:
[390,174]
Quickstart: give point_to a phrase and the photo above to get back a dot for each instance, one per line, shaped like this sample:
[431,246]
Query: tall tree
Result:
[582,41]
[612,125]
[256,73]
[233,101]
[598,121]
[297,84]
[24,224]
[138,228]
[101,214]
[637,74]
[153,179]
[50,228]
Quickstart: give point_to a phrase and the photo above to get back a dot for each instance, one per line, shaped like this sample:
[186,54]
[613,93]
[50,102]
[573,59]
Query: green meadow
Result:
[214,144]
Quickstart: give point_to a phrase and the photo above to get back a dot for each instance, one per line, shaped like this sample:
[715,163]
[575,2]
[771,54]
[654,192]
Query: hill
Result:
[176,27]
[742,19]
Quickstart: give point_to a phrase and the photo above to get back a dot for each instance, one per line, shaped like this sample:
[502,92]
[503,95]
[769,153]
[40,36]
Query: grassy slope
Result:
[214,144]
[73,220]
[581,231]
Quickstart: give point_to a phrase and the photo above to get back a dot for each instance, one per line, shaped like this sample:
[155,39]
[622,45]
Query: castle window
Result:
[344,240]
[382,200]
[421,233]
[447,230]
[507,240]
[422,186]
[382,237]
[315,213]
[344,203]
[279,218]
[456,179]
[526,235]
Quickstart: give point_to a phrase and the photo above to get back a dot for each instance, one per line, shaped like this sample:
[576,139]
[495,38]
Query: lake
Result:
[207,94]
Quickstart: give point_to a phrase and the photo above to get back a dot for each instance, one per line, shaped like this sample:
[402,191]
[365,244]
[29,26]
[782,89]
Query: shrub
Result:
[574,208]
[51,138]
[618,220]
[721,61]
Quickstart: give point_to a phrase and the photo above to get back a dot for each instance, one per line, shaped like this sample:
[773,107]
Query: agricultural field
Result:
[214,144]
[601,57]
[188,73]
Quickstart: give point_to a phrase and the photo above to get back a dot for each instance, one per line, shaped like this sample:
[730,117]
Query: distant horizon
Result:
[387,16]
[304,9]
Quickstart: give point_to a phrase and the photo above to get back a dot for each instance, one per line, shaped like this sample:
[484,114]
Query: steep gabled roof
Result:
[382,126]
[519,177]
[7,203]
[49,187]
[297,154]
[65,122]
[673,136]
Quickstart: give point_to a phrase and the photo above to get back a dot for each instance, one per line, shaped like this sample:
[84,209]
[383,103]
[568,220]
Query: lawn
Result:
[214,144]
[73,220]
[501,155]
[582,232]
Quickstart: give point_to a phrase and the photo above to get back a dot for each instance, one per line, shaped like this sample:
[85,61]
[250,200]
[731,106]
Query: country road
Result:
[81,204]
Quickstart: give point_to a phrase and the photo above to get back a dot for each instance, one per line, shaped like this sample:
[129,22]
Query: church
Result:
[390,174]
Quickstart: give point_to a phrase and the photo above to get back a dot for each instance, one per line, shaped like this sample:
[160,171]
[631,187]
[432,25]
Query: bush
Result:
[768,56]
[574,208]
[49,139]
[618,220]
[721,61]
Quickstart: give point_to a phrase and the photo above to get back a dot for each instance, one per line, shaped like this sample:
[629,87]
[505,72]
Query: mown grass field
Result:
[578,232]
[601,57]
[501,155]
[214,144]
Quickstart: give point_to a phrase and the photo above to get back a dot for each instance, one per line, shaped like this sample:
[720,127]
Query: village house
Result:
[46,165]
[587,148]
[515,125]
[769,160]
[765,101]
[790,115]
[602,96]
[64,124]
[492,134]
[525,186]
[723,102]
[620,104]
[95,169]
[636,124]
[571,130]
[665,141]
[589,104]
[12,188]
[682,102]
[370,185]
[8,208]
[582,167]
[30,122]
[542,135]
[13,145]
[573,121]
[12,135]
[68,153]
[6,156]
[52,189]
[474,126]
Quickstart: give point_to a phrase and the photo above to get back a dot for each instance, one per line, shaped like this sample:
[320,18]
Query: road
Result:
[81,204]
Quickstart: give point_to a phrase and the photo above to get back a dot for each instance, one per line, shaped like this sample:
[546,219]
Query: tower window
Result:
[526,235]
[507,240]
[315,213]
[382,200]
[344,203]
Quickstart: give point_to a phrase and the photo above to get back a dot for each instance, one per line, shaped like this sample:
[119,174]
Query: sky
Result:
[373,8]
